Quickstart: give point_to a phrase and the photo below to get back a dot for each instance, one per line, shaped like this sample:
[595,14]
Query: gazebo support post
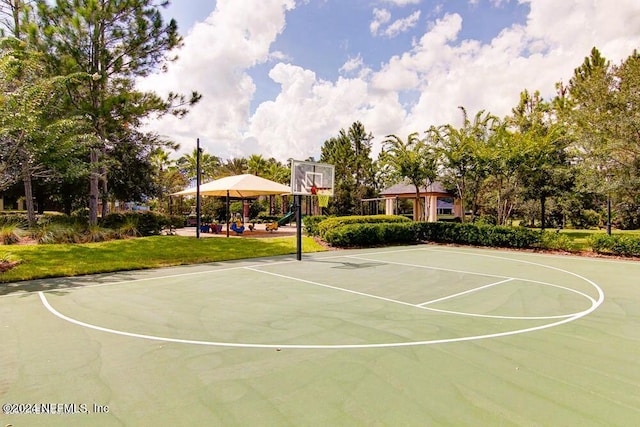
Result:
[198,204]
[227,213]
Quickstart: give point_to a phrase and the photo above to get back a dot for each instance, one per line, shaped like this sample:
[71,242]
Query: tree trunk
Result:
[418,210]
[105,188]
[94,190]
[461,194]
[105,198]
[28,194]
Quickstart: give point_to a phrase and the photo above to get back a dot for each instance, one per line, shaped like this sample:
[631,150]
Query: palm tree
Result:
[234,166]
[257,165]
[412,159]
[209,165]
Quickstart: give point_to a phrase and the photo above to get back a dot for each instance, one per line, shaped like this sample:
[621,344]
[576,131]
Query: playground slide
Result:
[287,218]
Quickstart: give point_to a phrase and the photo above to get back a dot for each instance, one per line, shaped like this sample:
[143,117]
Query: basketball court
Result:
[415,335]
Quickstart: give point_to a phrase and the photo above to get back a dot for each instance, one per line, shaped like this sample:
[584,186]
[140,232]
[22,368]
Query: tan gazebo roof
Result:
[238,186]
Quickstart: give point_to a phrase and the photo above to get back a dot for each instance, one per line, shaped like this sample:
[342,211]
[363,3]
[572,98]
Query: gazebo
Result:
[240,187]
[430,197]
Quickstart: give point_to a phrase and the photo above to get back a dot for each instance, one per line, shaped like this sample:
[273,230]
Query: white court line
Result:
[438,248]
[332,287]
[420,306]
[464,292]
[594,306]
[590,298]
[427,267]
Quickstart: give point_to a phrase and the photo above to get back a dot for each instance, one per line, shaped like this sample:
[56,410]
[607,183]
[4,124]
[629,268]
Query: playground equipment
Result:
[271,226]
[237,227]
[287,218]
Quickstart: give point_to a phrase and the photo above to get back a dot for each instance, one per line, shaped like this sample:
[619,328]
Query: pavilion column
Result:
[433,209]
[457,208]
[389,206]
[246,204]
[426,209]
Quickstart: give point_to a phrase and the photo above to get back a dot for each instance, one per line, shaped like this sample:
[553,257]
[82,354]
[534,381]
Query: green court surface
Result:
[404,336]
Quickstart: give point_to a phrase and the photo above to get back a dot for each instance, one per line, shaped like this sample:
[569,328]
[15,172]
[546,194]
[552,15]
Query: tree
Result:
[413,160]
[112,42]
[337,151]
[15,17]
[462,155]
[546,171]
[31,127]
[234,166]
[257,165]
[350,153]
[210,165]
[604,103]
[363,172]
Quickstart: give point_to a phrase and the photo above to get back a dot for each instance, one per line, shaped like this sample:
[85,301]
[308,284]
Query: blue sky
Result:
[279,77]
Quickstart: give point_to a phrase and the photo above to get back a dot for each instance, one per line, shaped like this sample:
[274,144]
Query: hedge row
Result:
[477,234]
[615,245]
[335,222]
[370,234]
[311,223]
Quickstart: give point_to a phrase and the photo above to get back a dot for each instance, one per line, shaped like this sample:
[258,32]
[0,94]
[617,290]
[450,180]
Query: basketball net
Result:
[323,197]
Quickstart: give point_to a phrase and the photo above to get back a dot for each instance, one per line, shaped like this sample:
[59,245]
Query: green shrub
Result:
[95,233]
[13,218]
[363,231]
[54,232]
[338,221]
[477,234]
[615,244]
[146,223]
[176,221]
[371,234]
[311,223]
[556,241]
[11,232]
[264,218]
[129,228]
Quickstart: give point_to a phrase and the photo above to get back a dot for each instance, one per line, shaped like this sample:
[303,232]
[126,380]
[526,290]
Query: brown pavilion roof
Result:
[410,190]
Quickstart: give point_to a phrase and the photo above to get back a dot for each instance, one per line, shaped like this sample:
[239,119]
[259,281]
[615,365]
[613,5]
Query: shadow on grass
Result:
[58,267]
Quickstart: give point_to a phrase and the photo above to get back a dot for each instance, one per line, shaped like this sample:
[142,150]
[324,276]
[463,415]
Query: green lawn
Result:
[41,261]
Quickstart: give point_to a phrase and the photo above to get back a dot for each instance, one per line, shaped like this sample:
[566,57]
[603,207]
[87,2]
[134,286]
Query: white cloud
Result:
[444,71]
[309,110]
[352,65]
[402,25]
[213,61]
[380,17]
[383,16]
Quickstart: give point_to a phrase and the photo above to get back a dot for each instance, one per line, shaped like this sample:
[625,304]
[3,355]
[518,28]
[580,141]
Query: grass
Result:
[63,260]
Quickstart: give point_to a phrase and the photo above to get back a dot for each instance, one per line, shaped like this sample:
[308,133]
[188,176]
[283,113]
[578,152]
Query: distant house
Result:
[434,198]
